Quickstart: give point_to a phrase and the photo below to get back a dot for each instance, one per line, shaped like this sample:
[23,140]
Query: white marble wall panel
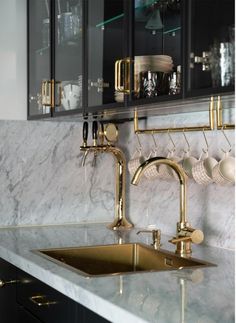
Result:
[42,181]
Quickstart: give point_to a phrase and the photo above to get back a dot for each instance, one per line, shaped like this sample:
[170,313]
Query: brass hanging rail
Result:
[219,116]
[209,126]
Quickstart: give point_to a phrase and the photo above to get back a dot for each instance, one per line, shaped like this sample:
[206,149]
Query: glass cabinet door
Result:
[68,55]
[39,53]
[105,48]
[157,49]
[210,46]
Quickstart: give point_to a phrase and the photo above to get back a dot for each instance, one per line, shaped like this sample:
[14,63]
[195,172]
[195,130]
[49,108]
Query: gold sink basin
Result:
[118,259]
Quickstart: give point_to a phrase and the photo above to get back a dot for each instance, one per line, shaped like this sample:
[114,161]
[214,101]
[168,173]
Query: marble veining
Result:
[150,297]
[42,181]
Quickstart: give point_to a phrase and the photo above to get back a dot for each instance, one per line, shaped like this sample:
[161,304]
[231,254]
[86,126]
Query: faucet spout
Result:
[120,221]
[181,175]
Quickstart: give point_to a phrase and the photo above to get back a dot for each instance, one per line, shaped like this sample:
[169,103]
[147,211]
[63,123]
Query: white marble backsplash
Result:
[42,181]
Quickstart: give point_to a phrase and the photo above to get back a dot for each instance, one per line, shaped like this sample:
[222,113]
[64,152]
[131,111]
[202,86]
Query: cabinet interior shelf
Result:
[149,4]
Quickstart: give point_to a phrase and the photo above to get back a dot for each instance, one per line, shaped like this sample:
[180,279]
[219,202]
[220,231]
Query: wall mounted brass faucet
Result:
[110,134]
[185,234]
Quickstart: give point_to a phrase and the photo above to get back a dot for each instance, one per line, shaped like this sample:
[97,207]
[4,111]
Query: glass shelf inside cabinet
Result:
[69,46]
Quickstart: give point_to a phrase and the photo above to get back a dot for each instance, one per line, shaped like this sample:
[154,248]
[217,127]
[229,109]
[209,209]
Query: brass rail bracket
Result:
[219,117]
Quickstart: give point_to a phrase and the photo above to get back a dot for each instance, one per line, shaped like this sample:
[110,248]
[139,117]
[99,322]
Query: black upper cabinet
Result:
[105,46]
[55,57]
[210,46]
[85,56]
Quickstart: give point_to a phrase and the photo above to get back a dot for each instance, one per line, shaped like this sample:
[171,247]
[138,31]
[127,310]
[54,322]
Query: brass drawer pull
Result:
[4,283]
[41,300]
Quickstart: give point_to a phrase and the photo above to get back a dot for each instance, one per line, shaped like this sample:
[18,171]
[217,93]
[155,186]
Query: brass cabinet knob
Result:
[4,283]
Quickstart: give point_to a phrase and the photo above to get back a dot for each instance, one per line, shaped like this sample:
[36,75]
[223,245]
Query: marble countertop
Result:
[200,295]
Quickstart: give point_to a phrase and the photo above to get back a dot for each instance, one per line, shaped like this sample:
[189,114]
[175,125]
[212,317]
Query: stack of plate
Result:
[153,63]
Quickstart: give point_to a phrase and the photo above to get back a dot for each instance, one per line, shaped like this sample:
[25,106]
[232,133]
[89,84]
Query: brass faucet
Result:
[185,234]
[120,221]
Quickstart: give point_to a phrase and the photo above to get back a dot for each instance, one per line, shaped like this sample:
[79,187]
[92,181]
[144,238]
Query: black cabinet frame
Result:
[128,45]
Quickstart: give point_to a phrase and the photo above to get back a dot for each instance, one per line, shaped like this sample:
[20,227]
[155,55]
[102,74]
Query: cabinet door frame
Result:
[164,98]
[188,92]
[52,63]
[54,113]
[126,32]
[51,6]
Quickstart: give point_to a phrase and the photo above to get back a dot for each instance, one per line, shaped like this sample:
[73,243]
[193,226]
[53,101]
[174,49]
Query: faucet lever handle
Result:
[195,236]
[156,237]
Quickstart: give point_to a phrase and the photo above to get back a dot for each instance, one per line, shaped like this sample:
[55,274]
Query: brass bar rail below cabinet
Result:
[207,127]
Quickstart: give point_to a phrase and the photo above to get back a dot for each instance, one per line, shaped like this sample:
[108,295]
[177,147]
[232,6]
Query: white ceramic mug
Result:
[136,160]
[202,170]
[224,171]
[188,162]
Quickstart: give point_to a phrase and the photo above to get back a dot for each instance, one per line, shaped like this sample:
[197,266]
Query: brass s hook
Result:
[172,141]
[140,148]
[227,139]
[154,140]
[187,142]
[207,145]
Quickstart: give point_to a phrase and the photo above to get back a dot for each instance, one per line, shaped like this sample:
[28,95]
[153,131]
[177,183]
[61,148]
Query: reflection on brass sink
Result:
[118,259]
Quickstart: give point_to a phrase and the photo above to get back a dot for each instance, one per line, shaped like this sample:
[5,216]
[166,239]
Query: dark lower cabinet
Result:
[25,299]
[8,309]
[24,316]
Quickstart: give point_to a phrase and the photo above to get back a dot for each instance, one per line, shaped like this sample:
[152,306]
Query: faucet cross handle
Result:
[156,237]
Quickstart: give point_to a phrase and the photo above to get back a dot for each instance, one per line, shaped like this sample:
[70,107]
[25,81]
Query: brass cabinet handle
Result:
[46,92]
[118,75]
[122,79]
[52,93]
[127,62]
[41,300]
[4,283]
